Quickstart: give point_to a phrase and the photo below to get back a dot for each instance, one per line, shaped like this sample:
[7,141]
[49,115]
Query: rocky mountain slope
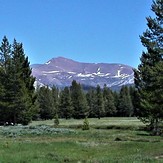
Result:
[61,71]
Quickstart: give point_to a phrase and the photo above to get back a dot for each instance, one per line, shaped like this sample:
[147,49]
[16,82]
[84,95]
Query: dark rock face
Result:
[61,71]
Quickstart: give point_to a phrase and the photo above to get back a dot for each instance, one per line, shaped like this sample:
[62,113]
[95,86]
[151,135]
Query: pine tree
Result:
[17,83]
[116,101]
[125,107]
[65,104]
[2,94]
[91,100]
[5,63]
[109,104]
[79,101]
[46,103]
[5,55]
[22,80]
[148,77]
[55,95]
[99,105]
[134,99]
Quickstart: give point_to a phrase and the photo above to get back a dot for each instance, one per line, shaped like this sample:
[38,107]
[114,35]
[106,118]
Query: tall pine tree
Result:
[23,88]
[99,105]
[55,94]
[109,104]
[46,103]
[65,104]
[79,101]
[18,99]
[149,76]
[91,100]
[5,92]
[125,106]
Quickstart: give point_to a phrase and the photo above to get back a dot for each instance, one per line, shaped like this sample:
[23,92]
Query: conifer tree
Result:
[46,103]
[116,101]
[55,95]
[23,86]
[125,107]
[148,76]
[17,82]
[5,55]
[65,104]
[91,101]
[5,93]
[99,105]
[109,105]
[134,98]
[79,101]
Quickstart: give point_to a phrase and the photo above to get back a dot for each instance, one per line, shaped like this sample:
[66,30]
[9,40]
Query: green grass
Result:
[103,123]
[77,146]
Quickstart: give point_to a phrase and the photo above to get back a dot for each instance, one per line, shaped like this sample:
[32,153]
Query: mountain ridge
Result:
[61,71]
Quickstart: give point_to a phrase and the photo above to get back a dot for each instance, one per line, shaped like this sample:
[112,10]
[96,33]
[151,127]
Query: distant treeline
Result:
[74,102]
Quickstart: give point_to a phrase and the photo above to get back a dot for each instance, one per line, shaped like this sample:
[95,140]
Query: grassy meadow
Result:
[108,140]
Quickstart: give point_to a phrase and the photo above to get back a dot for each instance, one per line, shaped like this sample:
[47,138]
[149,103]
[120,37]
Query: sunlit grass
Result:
[92,146]
[112,121]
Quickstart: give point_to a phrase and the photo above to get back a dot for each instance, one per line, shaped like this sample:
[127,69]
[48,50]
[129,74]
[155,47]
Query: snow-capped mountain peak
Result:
[61,71]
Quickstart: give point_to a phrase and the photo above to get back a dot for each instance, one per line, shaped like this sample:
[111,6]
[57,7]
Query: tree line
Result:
[74,102]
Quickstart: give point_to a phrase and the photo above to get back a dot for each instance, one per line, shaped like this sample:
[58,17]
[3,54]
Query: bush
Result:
[85,124]
[56,120]
[14,131]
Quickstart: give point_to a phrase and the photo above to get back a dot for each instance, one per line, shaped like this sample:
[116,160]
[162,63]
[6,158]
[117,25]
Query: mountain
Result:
[61,71]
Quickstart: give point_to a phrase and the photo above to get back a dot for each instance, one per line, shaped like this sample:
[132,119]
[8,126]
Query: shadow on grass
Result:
[143,134]
[117,127]
[136,139]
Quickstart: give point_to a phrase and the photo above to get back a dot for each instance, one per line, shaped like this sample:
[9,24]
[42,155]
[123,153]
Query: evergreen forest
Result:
[74,102]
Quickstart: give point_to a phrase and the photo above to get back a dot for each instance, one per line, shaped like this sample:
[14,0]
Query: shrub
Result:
[14,131]
[85,124]
[56,120]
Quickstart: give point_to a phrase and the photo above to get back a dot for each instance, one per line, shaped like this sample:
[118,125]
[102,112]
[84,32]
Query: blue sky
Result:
[93,31]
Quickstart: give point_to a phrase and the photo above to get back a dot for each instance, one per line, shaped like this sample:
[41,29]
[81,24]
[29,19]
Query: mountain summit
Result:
[61,71]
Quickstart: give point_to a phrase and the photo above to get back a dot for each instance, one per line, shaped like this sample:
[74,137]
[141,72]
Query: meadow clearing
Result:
[119,140]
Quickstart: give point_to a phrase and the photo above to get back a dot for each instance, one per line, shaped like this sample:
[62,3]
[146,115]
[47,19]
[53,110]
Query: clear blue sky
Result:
[83,30]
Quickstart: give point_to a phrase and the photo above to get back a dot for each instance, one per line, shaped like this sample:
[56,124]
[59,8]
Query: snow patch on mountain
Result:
[84,75]
[48,62]
[49,72]
[72,72]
